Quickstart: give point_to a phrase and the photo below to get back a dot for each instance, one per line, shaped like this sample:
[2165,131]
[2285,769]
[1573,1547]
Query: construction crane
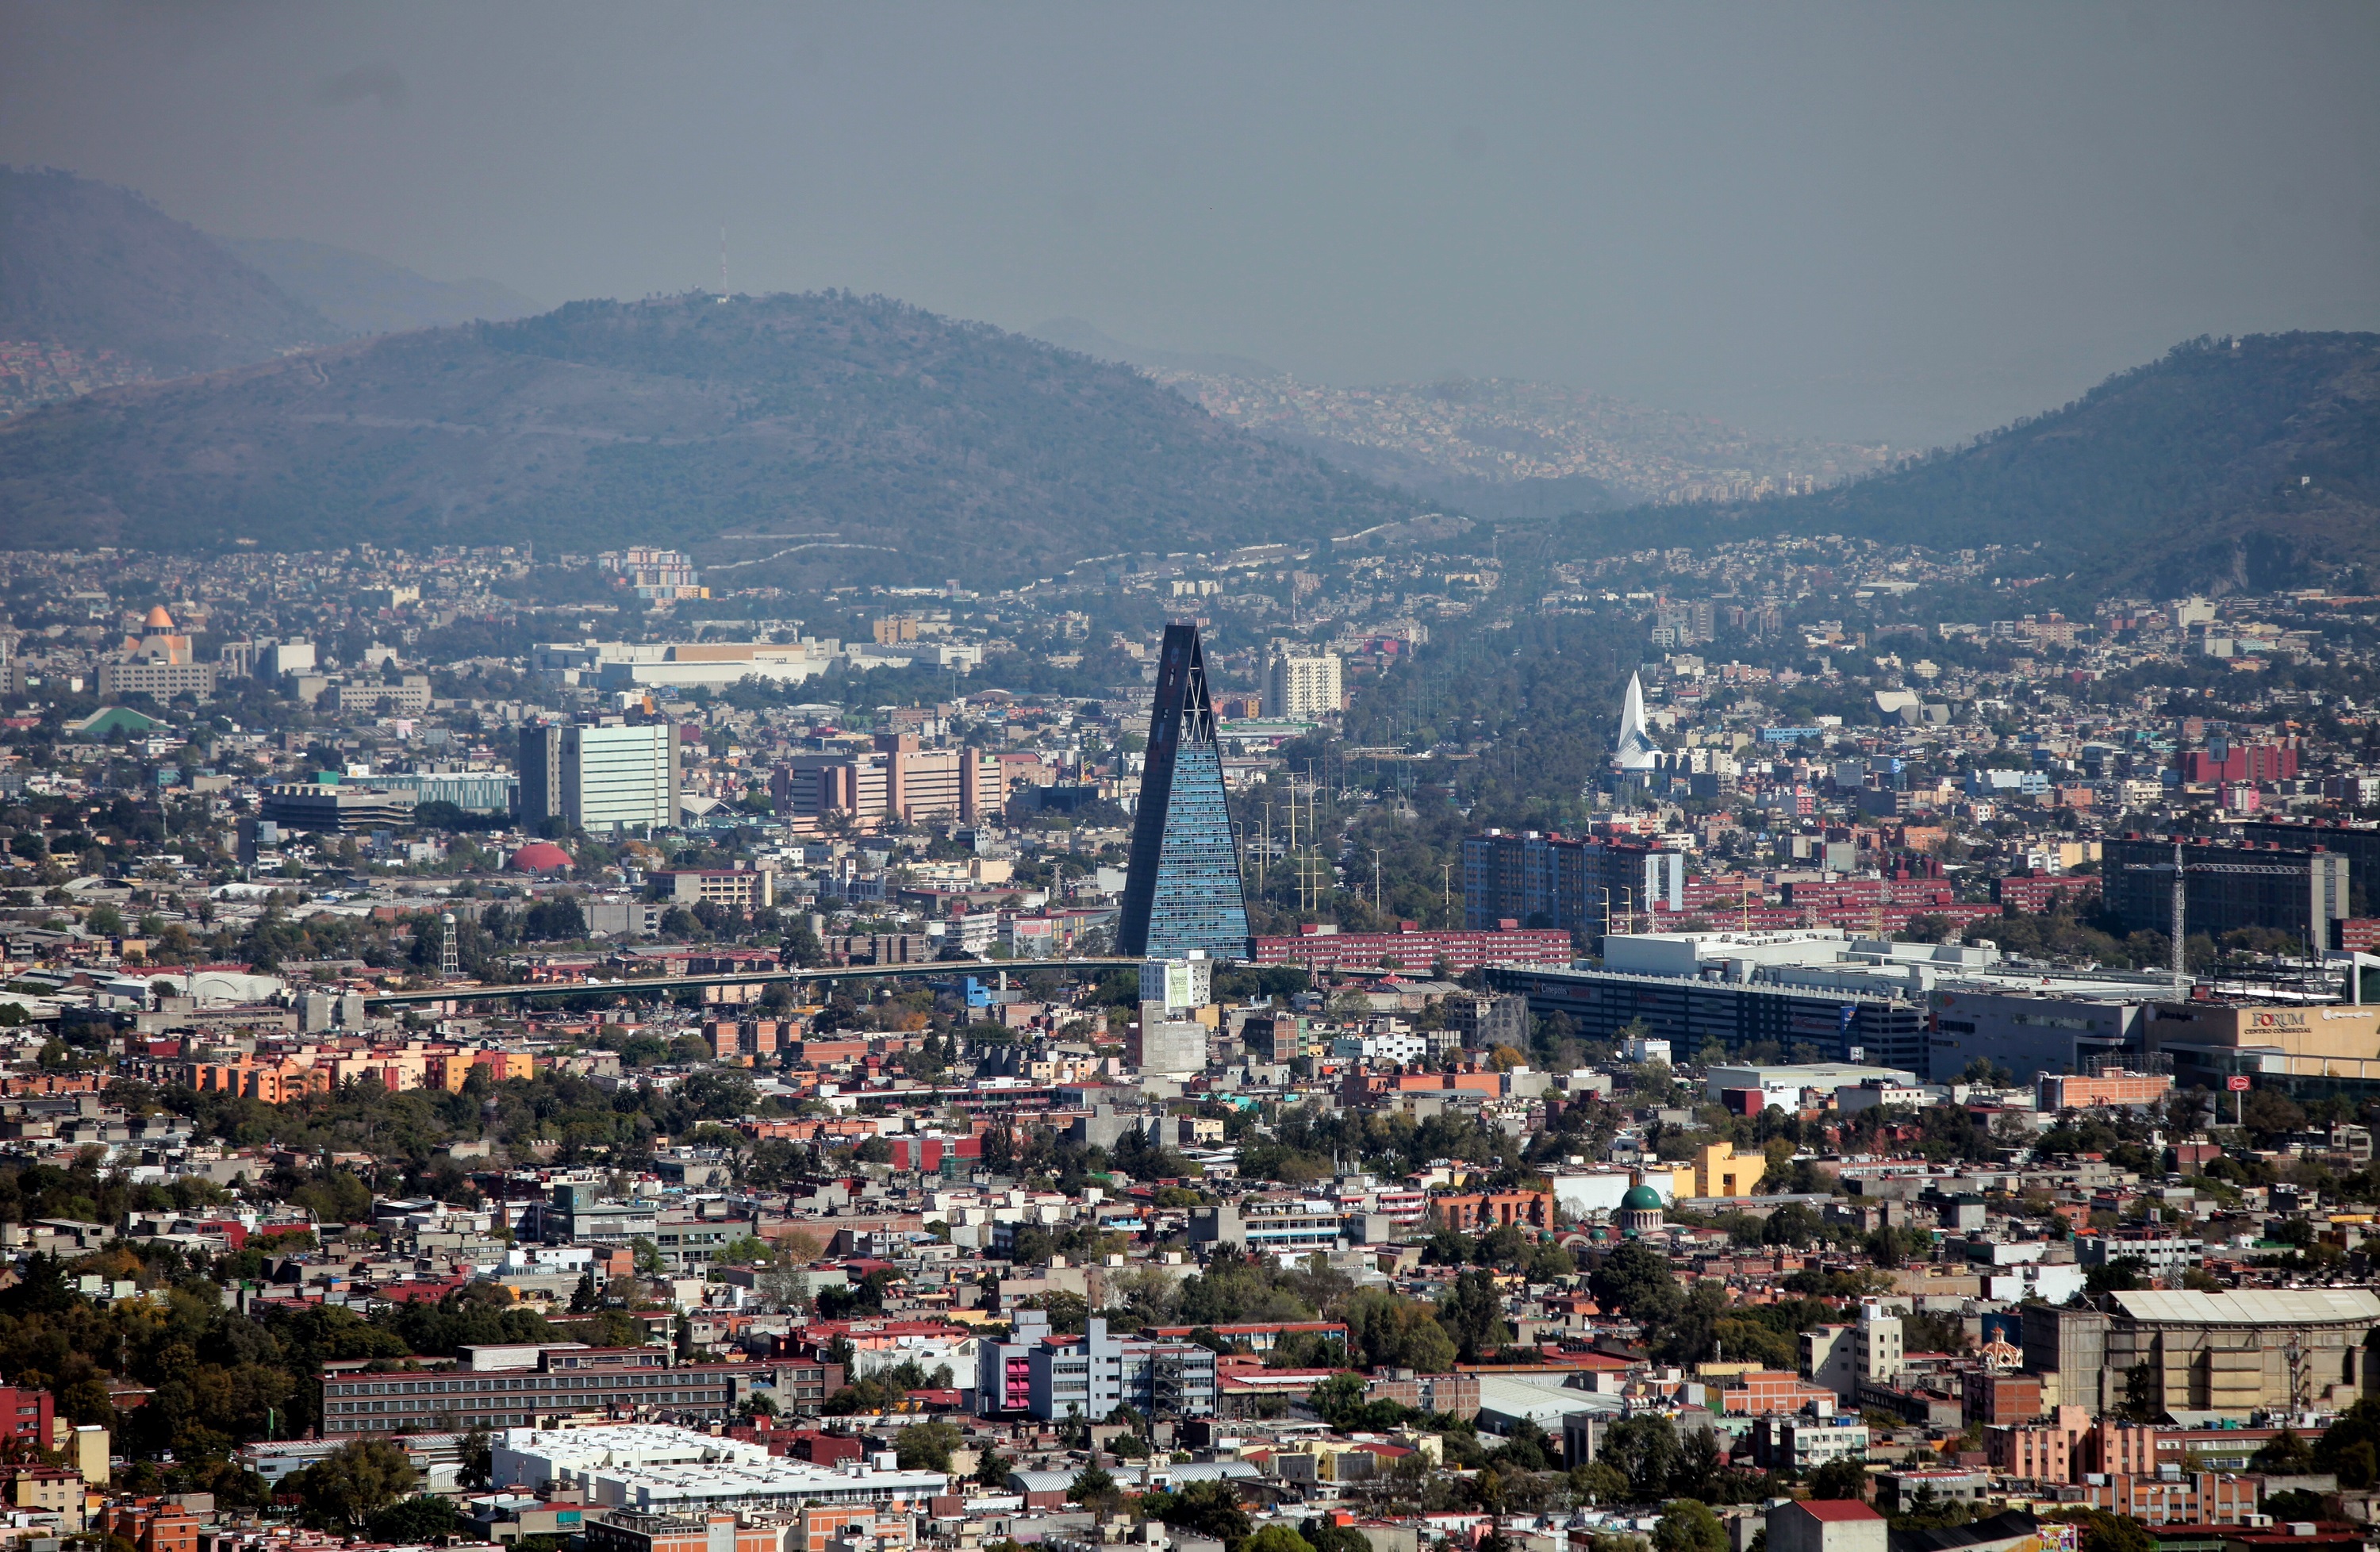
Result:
[2178,866]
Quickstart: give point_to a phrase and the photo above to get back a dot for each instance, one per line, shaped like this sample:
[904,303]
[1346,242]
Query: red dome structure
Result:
[541,856]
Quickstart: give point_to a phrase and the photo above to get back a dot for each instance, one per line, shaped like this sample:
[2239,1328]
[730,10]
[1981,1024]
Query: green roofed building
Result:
[1640,1210]
[112,720]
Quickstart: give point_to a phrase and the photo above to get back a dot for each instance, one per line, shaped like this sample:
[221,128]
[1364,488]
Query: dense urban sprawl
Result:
[1799,1045]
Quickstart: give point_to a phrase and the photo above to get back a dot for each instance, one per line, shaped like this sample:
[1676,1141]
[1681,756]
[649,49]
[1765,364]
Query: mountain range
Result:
[362,294]
[92,268]
[1493,447]
[206,401]
[872,438]
[2251,462]
[99,287]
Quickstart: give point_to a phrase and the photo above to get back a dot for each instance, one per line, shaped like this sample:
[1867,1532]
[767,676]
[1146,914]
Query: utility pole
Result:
[1375,880]
[1293,842]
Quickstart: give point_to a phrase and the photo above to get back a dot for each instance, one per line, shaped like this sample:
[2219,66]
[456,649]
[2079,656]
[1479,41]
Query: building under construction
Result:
[2301,890]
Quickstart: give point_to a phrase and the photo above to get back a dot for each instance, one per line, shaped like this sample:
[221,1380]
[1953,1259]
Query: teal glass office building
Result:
[1182,892]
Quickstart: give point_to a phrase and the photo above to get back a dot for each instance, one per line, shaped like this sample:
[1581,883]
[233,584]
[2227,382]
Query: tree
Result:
[1791,1224]
[1644,1450]
[1473,1313]
[1599,1482]
[1276,1538]
[1325,1537]
[928,1446]
[479,1459]
[1689,1527]
[2285,1454]
[1549,1262]
[1390,1331]
[2103,1531]
[2351,1447]
[1206,1508]
[352,1483]
[1091,1486]
[424,1518]
[1635,1279]
[1838,1479]
[2121,1275]
[2268,1113]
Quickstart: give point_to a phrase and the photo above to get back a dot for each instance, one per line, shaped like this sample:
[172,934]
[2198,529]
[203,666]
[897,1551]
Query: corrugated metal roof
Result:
[2264,1306]
[1510,1397]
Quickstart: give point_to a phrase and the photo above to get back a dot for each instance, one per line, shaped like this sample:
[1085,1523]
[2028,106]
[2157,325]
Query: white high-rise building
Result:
[623,778]
[601,778]
[1178,983]
[1300,681]
[1634,749]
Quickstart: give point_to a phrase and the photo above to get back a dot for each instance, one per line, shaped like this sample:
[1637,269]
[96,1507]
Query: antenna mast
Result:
[722,262]
[2180,971]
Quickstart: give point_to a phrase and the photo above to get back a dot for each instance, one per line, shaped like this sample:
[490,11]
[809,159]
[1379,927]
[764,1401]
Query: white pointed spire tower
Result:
[1634,749]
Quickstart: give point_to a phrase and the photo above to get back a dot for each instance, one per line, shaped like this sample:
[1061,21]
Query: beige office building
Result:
[896,780]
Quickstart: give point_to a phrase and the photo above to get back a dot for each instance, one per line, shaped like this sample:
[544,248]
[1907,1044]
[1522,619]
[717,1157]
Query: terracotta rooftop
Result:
[1837,1508]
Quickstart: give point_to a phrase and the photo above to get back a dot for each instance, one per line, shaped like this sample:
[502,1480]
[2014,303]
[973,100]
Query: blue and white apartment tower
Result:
[1183,890]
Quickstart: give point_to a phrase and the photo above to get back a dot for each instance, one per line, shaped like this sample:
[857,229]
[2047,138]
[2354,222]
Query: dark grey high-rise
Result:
[1182,889]
[540,774]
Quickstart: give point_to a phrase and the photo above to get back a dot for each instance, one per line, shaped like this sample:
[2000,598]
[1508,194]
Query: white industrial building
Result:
[1788,1084]
[654,1469]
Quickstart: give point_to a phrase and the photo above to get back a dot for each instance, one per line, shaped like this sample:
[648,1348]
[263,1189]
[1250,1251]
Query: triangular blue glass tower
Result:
[1183,890]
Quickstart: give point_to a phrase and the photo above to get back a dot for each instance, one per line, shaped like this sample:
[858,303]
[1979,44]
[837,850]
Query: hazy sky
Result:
[1900,222]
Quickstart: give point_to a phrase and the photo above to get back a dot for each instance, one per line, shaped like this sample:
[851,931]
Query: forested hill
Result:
[93,267]
[863,435]
[2241,462]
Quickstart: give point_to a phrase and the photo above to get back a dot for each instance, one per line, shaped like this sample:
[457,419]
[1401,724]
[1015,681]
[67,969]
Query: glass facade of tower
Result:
[1198,902]
[1183,890]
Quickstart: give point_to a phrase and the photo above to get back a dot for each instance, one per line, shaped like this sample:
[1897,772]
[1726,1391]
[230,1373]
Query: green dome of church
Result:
[1641,1198]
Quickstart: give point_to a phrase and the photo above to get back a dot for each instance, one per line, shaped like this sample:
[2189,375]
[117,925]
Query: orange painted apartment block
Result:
[283,1078]
[151,1526]
[2054,1450]
[278,1080]
[2075,1091]
[1767,1392]
[760,1036]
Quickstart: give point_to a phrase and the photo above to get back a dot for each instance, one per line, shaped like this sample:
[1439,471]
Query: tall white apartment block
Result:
[1300,681]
